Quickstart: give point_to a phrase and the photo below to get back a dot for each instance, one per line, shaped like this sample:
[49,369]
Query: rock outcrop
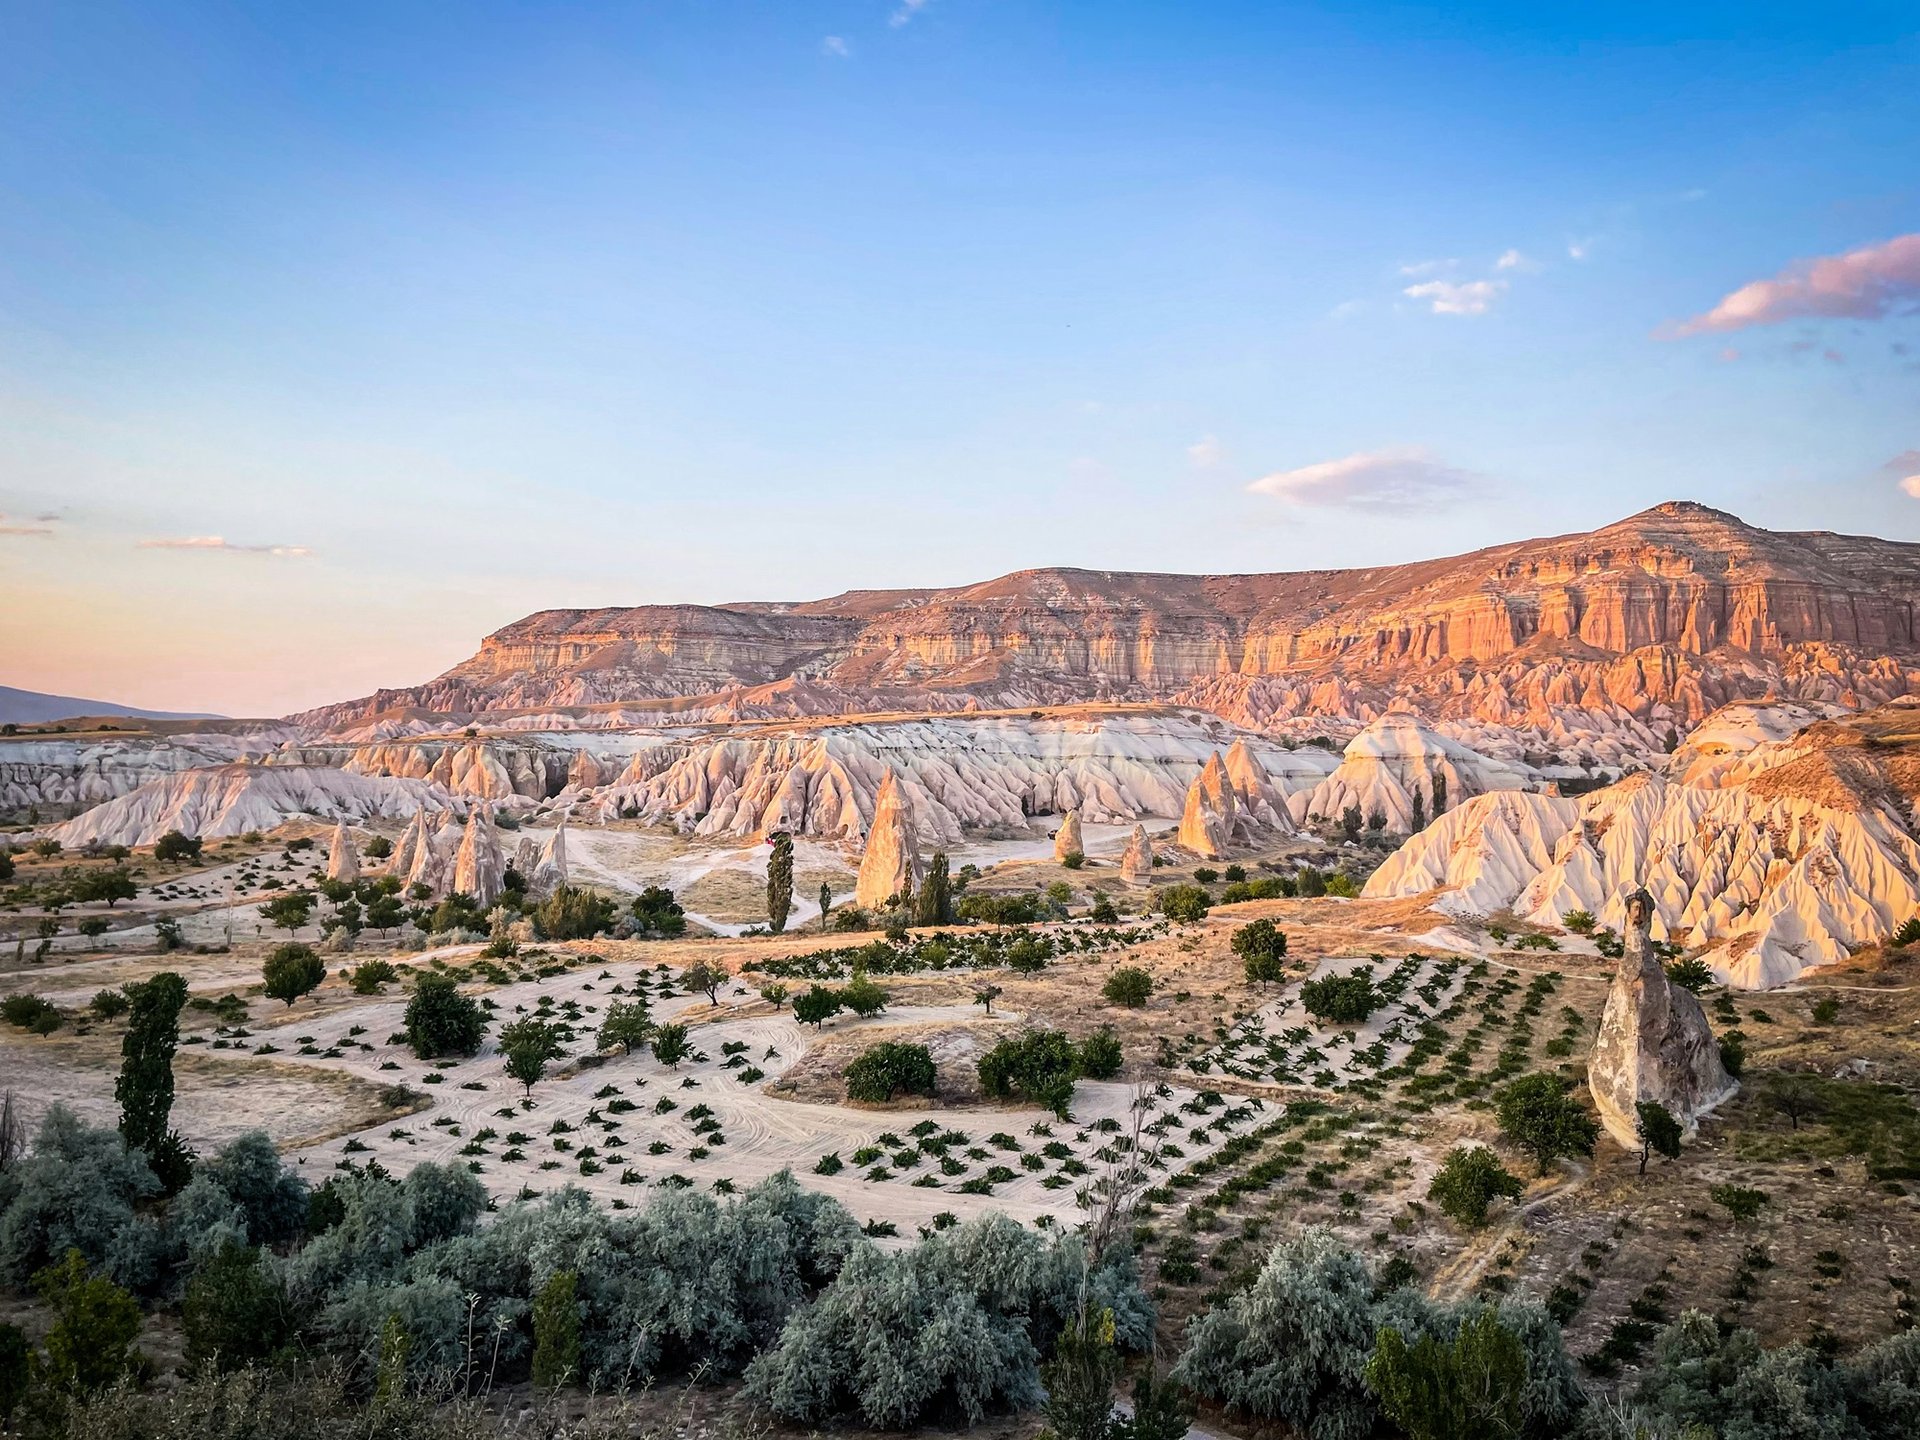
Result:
[343,859]
[479,866]
[890,864]
[1807,858]
[543,865]
[1136,863]
[1066,840]
[1654,1042]
[1402,773]
[223,800]
[1210,821]
[1626,631]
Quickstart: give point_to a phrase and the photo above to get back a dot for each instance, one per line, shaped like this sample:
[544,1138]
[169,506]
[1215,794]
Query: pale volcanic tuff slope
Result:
[1703,607]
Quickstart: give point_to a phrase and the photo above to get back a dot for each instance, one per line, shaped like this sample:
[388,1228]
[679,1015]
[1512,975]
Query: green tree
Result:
[1184,904]
[95,1322]
[176,848]
[442,1021]
[890,1069]
[775,994]
[985,995]
[1079,1379]
[1658,1131]
[1690,974]
[706,978]
[288,912]
[1536,1113]
[556,1331]
[1470,1389]
[626,1024]
[1341,999]
[573,913]
[1038,1065]
[816,1005]
[657,913]
[110,886]
[386,913]
[826,906]
[235,1312]
[1468,1181]
[1159,1411]
[1100,1057]
[1129,986]
[16,1370]
[145,1085]
[1101,912]
[671,1045]
[862,996]
[292,970]
[935,901]
[528,1045]
[780,883]
[1262,947]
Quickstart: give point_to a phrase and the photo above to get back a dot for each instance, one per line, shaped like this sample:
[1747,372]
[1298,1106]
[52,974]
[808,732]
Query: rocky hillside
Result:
[1771,855]
[1642,626]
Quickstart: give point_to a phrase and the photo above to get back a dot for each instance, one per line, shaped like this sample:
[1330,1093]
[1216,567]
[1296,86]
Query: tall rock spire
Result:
[890,865]
[343,860]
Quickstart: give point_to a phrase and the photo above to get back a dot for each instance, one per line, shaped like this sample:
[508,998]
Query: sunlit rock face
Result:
[890,864]
[1802,855]
[224,800]
[1402,773]
[1594,646]
[343,858]
[1136,862]
[1066,840]
[1654,1042]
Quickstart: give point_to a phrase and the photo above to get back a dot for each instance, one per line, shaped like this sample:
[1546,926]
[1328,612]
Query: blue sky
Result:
[436,314]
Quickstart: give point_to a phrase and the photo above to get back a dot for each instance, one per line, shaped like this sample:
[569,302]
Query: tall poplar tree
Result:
[145,1086]
[780,882]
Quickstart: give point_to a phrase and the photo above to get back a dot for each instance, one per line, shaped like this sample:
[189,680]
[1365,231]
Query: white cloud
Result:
[1514,260]
[1426,267]
[1579,249]
[1399,478]
[833,45]
[1869,283]
[1912,486]
[1457,297]
[906,11]
[1205,453]
[216,542]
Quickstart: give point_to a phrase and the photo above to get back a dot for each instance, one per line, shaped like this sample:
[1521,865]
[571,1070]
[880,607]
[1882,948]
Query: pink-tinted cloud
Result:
[12,527]
[1403,478]
[1863,284]
[216,542]
[1464,297]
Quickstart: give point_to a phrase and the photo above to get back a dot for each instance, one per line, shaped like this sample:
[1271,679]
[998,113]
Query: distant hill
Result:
[29,707]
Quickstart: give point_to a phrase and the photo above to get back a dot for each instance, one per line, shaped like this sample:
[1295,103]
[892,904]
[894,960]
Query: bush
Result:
[1691,975]
[862,996]
[527,1046]
[1470,1180]
[442,1021]
[888,1070]
[292,970]
[1536,1113]
[1580,922]
[1742,1203]
[90,1344]
[1100,1056]
[1129,985]
[1038,1066]
[235,1311]
[556,1331]
[107,1004]
[1184,904]
[370,975]
[28,1012]
[1438,1391]
[1341,999]
[671,1045]
[77,1189]
[816,1006]
[571,913]
[1263,947]
[627,1024]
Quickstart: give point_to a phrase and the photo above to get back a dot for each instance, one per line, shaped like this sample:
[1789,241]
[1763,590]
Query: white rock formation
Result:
[433,861]
[543,866]
[1391,769]
[1253,789]
[343,860]
[1066,840]
[415,838]
[223,800]
[59,774]
[890,864]
[1776,875]
[959,771]
[479,867]
[1654,1042]
[1136,864]
[1210,819]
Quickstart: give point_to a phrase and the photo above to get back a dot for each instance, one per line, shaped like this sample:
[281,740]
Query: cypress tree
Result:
[780,882]
[826,904]
[556,1331]
[145,1086]
[936,893]
[1439,793]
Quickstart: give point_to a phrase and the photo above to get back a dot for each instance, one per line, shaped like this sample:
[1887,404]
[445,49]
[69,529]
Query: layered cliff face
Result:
[1798,854]
[1603,641]
[57,774]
